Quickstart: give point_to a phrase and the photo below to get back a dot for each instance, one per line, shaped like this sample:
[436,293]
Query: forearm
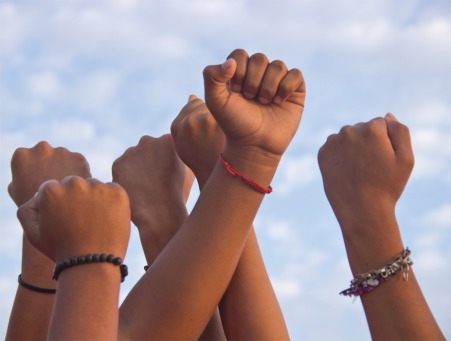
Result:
[86,305]
[249,308]
[396,309]
[201,257]
[31,311]
[158,228]
[153,243]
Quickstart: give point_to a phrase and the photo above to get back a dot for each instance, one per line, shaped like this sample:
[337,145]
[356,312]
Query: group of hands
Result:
[251,112]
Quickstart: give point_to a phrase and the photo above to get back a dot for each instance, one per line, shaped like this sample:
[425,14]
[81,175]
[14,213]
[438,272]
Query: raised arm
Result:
[365,169]
[249,308]
[30,167]
[84,227]
[158,185]
[204,253]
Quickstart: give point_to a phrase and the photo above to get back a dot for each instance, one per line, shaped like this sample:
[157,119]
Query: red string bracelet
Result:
[251,183]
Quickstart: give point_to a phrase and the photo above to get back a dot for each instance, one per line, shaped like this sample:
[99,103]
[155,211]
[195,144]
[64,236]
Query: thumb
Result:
[215,82]
[28,215]
[192,98]
[399,137]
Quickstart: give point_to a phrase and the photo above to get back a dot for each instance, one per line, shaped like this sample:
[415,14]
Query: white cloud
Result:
[432,148]
[100,74]
[96,90]
[281,231]
[440,216]
[295,173]
[45,85]
[286,288]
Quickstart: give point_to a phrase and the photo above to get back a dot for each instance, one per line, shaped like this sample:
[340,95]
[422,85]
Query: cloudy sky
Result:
[94,76]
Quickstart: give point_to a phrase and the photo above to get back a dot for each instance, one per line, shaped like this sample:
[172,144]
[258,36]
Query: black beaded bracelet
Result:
[90,258]
[34,288]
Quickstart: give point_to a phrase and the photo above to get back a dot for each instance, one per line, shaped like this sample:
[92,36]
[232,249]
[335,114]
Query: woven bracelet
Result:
[34,288]
[367,282]
[90,258]
[243,177]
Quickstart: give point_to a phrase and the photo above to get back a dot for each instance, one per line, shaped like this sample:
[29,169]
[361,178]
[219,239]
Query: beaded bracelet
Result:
[90,258]
[243,177]
[34,288]
[366,282]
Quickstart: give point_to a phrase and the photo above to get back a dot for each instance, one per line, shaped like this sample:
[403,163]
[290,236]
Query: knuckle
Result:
[279,66]
[42,145]
[49,188]
[259,58]
[61,150]
[75,181]
[18,154]
[144,140]
[346,130]
[297,73]
[238,53]
[374,126]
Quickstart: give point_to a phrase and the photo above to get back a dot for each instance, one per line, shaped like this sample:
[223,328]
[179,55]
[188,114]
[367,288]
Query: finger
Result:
[42,146]
[399,136]
[241,57]
[292,82]
[274,74]
[256,68]
[359,125]
[215,82]
[192,105]
[145,139]
[93,181]
[45,184]
[76,182]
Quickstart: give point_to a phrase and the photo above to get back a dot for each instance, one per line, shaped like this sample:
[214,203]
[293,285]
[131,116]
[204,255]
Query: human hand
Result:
[75,217]
[256,103]
[32,166]
[197,137]
[154,177]
[158,185]
[365,169]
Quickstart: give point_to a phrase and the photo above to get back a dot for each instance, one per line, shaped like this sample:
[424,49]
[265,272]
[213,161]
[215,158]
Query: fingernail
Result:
[264,100]
[390,116]
[277,99]
[236,87]
[226,65]
[248,95]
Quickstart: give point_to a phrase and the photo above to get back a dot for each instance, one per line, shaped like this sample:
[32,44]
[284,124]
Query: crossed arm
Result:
[190,276]
[204,253]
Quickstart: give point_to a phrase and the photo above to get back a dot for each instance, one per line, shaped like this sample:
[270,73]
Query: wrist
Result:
[251,163]
[372,241]
[158,229]
[202,177]
[160,214]
[37,268]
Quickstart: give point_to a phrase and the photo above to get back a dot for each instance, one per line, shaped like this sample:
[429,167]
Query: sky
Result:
[94,76]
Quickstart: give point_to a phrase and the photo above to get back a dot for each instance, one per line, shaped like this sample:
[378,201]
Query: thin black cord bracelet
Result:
[34,288]
[90,258]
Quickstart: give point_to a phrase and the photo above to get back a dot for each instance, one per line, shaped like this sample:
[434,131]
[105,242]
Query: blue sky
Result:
[94,76]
